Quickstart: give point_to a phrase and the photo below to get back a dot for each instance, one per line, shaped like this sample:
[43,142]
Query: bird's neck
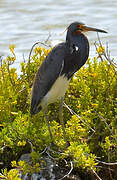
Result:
[80,42]
[74,39]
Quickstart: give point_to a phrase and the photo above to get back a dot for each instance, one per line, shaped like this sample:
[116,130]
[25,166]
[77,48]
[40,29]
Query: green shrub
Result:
[91,131]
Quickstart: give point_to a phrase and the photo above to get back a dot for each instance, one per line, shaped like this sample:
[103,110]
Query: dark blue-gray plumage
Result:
[59,66]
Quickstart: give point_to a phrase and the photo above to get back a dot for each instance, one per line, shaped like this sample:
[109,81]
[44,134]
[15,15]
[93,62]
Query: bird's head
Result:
[78,27]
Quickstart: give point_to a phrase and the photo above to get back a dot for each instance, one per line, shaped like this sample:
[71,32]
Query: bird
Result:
[56,71]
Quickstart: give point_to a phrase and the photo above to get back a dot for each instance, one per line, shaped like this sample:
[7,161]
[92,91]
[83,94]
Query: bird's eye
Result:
[80,27]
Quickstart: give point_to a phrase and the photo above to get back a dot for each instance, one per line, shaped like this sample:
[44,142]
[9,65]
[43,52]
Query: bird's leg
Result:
[61,117]
[47,120]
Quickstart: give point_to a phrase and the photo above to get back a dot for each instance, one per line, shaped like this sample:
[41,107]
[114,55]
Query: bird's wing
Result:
[47,74]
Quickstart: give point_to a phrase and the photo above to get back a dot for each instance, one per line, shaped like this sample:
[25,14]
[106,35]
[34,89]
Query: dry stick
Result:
[43,151]
[47,149]
[29,59]
[96,174]
[106,54]
[98,52]
[109,164]
[107,50]
[38,42]
[71,163]
[97,48]
[102,162]
[32,150]
[107,125]
[107,58]
[72,112]
[58,152]
[49,35]
[105,163]
[47,152]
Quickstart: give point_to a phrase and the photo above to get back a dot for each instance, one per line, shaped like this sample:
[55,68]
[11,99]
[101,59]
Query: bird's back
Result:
[63,61]
[47,75]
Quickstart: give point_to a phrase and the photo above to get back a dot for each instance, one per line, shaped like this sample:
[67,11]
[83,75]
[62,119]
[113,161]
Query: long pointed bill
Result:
[86,28]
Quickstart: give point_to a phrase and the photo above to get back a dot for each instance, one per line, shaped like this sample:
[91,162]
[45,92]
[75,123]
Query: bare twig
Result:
[103,119]
[44,150]
[47,151]
[38,42]
[98,52]
[72,112]
[105,163]
[29,59]
[105,53]
[107,50]
[102,162]
[71,164]
[30,145]
[48,38]
[95,174]
[100,44]
[58,152]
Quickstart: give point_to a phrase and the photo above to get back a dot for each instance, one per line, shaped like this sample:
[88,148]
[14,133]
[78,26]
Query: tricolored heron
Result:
[56,71]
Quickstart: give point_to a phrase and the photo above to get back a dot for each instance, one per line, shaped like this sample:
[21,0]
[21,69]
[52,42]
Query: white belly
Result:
[57,91]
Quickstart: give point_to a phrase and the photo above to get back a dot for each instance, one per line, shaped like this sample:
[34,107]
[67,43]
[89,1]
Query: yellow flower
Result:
[38,49]
[78,106]
[94,105]
[75,79]
[94,75]
[100,50]
[13,164]
[21,143]
[12,47]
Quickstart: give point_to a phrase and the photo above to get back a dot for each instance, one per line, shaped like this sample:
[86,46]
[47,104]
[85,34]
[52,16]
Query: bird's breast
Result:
[57,91]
